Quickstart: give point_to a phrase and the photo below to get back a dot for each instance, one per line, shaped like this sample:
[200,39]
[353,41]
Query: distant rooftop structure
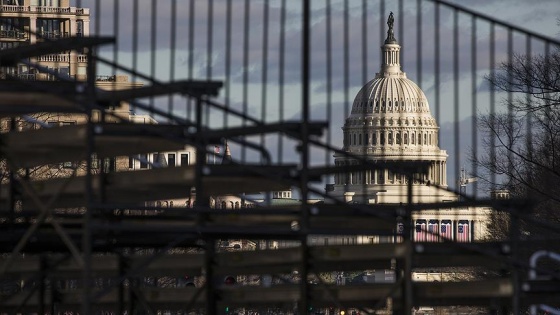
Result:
[26,22]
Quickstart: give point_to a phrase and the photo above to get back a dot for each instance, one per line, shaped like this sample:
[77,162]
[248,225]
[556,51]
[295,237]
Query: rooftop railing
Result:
[43,9]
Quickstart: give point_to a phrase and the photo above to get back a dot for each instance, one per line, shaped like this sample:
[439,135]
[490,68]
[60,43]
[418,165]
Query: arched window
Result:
[398,138]
[354,142]
[425,138]
[374,139]
[405,138]
[390,138]
[430,138]
[382,138]
[237,205]
[360,139]
[419,139]
[366,140]
[412,138]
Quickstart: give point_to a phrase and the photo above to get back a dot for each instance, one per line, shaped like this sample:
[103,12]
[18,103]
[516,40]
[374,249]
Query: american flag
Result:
[445,229]
[463,231]
[432,235]
[420,231]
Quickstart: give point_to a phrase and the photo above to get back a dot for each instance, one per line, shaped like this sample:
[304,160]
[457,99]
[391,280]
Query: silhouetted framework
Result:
[81,232]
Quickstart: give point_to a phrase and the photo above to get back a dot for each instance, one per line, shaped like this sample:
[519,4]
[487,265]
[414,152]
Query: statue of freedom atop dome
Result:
[390,34]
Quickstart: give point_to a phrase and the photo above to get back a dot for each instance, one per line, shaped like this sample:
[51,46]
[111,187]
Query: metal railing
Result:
[52,35]
[15,34]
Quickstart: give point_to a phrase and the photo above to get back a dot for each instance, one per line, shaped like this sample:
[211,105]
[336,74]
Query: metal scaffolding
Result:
[83,233]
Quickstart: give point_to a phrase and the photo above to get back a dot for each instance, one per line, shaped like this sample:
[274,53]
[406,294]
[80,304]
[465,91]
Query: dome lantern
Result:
[391,63]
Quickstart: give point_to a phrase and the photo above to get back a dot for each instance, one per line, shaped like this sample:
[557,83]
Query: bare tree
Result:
[522,143]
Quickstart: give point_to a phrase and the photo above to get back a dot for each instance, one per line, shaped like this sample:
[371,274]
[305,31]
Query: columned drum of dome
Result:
[390,123]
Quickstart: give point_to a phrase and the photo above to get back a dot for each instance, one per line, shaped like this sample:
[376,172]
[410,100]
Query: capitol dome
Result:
[391,123]
[390,95]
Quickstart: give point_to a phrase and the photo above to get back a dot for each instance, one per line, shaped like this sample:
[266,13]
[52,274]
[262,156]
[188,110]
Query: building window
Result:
[143,161]
[390,138]
[45,3]
[224,205]
[374,139]
[406,138]
[412,138]
[130,162]
[398,138]
[79,28]
[94,161]
[366,141]
[237,205]
[382,138]
[360,139]
[109,165]
[50,28]
[419,139]
[171,159]
[184,159]
[155,159]
[354,142]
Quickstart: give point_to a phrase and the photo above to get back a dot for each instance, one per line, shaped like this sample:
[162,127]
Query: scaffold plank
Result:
[190,87]
[486,292]
[32,148]
[146,185]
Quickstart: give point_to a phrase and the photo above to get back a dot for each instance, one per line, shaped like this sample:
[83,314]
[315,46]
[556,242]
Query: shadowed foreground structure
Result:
[117,211]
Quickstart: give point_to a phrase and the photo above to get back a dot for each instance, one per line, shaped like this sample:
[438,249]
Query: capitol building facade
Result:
[391,126]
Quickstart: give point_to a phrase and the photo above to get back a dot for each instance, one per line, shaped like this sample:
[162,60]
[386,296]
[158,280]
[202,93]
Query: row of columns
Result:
[390,137]
[436,175]
[392,57]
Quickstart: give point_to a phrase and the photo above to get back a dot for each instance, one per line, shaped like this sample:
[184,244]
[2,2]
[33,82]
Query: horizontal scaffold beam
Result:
[492,292]
[137,187]
[272,261]
[35,147]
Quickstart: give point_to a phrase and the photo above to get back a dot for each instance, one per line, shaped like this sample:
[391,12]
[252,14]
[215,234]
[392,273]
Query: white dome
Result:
[390,95]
